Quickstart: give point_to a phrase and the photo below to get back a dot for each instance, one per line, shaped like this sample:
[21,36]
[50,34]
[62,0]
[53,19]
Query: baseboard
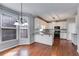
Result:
[74,44]
[63,39]
[8,48]
[43,43]
[12,47]
[25,44]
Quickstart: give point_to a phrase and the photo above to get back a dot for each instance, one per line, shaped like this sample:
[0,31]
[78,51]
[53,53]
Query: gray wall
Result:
[10,43]
[31,29]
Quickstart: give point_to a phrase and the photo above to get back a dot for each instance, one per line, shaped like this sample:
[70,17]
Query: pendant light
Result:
[16,23]
[20,22]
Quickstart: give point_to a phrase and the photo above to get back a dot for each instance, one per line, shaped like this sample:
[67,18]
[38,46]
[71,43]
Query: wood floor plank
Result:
[59,48]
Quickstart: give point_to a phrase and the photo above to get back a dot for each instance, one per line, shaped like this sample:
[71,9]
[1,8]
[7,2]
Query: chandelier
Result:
[21,22]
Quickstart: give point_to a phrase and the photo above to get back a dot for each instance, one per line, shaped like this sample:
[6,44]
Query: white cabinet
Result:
[44,39]
[39,23]
[63,35]
[74,39]
[77,29]
[72,27]
[71,30]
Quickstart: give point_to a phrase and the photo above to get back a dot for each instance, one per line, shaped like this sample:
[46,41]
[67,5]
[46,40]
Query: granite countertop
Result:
[43,33]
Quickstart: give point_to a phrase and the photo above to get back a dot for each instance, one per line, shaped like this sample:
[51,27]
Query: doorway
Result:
[57,32]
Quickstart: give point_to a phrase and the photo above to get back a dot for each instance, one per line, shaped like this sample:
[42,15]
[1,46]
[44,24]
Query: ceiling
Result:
[48,11]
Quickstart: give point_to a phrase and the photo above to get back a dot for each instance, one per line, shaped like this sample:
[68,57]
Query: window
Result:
[7,27]
[8,21]
[8,34]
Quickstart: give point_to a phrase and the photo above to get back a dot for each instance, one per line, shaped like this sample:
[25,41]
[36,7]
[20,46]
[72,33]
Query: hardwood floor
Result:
[59,48]
[64,48]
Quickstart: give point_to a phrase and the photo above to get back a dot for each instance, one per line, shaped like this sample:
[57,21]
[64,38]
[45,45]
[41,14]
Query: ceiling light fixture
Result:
[21,22]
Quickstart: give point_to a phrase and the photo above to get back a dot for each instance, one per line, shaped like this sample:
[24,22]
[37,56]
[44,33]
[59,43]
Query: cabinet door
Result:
[72,28]
[74,39]
[63,35]
[77,30]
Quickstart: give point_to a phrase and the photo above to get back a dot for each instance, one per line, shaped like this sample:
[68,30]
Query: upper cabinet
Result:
[40,23]
[72,28]
[63,25]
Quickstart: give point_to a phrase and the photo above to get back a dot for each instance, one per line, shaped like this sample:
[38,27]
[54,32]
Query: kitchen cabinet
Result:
[39,23]
[44,39]
[63,35]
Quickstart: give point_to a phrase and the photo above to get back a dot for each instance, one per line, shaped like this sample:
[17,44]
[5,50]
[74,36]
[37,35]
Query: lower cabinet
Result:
[63,35]
[44,39]
[74,39]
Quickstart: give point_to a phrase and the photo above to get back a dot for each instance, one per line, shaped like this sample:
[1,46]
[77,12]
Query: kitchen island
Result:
[44,38]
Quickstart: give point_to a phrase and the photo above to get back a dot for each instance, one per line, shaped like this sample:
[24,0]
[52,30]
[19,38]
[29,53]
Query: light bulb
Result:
[16,23]
[24,24]
[41,29]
